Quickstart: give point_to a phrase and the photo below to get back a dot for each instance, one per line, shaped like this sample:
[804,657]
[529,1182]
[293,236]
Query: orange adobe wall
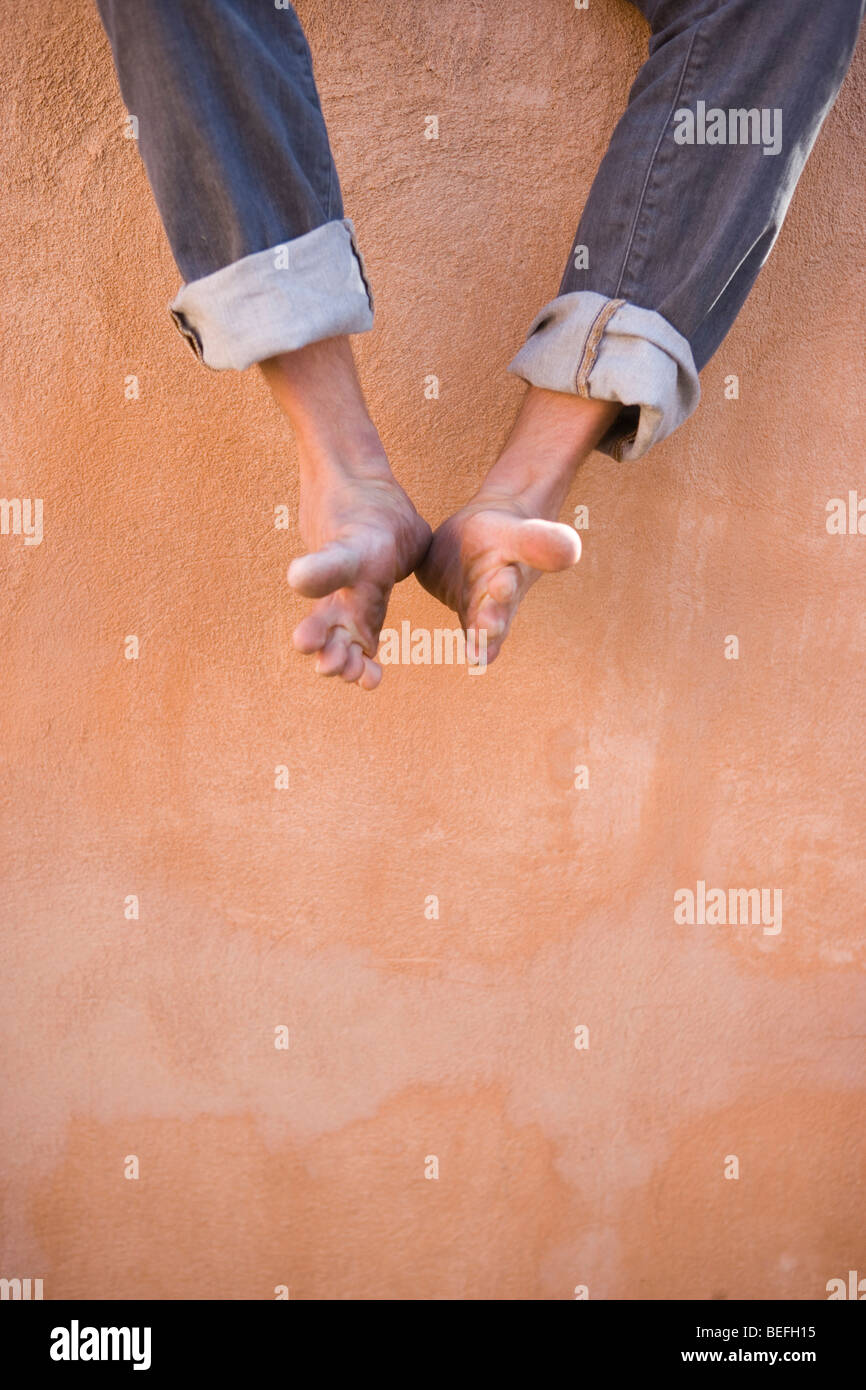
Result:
[413,1036]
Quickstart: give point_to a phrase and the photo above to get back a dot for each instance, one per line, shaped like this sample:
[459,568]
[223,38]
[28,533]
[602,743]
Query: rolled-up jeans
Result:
[682,213]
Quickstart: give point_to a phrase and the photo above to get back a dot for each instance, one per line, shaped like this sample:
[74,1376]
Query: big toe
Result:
[324,571]
[543,545]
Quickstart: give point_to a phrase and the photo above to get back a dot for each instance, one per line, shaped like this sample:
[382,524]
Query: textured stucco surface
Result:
[305,907]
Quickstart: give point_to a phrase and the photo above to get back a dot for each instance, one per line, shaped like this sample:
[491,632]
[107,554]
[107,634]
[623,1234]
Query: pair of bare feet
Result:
[363,535]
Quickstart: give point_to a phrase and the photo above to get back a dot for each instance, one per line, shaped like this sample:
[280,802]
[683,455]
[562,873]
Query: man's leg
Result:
[483,559]
[671,239]
[235,147]
[363,533]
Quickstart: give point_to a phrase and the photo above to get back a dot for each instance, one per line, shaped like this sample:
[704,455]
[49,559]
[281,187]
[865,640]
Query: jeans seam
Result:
[592,345]
[359,261]
[307,85]
[188,332]
[653,157]
[328,213]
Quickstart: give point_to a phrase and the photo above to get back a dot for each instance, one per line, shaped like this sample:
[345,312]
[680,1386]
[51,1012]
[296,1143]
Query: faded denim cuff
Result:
[277,300]
[609,350]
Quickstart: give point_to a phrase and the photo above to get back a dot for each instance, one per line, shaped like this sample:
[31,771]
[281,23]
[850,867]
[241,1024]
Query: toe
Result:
[371,676]
[354,666]
[481,647]
[484,640]
[492,618]
[545,545]
[504,584]
[323,571]
[311,634]
[335,653]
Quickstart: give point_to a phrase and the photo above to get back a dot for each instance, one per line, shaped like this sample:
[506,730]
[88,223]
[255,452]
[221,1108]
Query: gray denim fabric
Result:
[236,150]
[277,300]
[680,231]
[610,350]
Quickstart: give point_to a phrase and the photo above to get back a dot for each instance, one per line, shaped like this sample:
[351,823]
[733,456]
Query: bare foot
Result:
[364,536]
[362,532]
[484,558]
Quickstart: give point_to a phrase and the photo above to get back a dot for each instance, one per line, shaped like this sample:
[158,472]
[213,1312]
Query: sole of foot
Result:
[367,537]
[484,558]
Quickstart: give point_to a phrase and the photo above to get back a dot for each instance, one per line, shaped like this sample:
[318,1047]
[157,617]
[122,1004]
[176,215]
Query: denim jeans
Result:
[683,211]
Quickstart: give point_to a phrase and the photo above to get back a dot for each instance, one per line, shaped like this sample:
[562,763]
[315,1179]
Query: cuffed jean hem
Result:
[609,350]
[277,300]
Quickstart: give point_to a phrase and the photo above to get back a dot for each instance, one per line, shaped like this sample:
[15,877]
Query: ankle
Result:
[317,389]
[551,437]
[536,490]
[328,458]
